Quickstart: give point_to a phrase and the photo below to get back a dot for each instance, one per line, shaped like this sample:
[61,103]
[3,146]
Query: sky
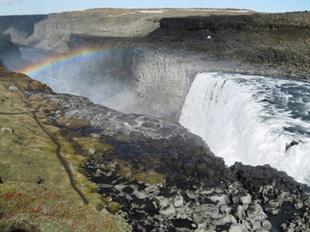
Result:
[19,7]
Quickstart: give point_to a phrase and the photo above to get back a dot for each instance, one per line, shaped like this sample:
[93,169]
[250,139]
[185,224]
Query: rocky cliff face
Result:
[253,22]
[141,80]
[10,54]
[8,50]
[274,40]
[52,31]
[136,77]
[278,41]
[19,28]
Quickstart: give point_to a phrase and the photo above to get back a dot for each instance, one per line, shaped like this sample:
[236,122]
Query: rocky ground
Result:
[153,173]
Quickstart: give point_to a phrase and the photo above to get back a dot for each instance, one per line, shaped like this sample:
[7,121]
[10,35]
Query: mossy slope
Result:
[32,171]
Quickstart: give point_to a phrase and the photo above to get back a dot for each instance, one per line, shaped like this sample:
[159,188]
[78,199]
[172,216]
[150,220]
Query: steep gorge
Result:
[131,80]
[150,164]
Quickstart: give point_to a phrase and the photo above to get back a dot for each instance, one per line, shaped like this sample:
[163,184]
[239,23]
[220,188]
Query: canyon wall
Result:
[149,57]
[279,41]
[52,31]
[10,54]
[19,28]
[131,80]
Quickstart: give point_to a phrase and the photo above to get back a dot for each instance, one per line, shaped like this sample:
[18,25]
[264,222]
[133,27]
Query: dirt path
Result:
[61,159]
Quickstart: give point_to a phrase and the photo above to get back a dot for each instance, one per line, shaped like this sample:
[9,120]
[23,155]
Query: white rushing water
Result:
[253,120]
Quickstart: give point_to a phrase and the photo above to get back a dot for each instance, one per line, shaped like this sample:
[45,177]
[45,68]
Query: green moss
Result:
[87,143]
[152,178]
[126,170]
[113,207]
[73,123]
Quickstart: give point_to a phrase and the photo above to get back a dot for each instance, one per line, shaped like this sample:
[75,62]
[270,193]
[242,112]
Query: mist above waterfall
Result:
[130,80]
[251,119]
[101,76]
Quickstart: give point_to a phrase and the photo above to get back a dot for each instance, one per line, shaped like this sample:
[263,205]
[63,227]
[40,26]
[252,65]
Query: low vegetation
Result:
[43,187]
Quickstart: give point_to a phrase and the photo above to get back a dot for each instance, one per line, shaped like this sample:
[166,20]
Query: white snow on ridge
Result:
[151,11]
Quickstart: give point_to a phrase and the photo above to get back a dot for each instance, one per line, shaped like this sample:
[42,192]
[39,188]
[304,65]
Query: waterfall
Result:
[253,120]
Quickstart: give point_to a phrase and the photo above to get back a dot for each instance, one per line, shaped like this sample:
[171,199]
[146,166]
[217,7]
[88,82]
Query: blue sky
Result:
[17,7]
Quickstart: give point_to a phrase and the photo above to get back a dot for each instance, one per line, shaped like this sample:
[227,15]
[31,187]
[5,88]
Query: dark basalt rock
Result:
[10,54]
[184,223]
[273,40]
[252,22]
[283,199]
[255,177]
[8,50]
[23,24]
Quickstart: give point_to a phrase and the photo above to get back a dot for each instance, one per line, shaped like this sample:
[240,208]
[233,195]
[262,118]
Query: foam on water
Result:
[253,120]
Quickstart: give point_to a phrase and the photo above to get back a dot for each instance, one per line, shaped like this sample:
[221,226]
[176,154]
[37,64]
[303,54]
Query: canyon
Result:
[122,82]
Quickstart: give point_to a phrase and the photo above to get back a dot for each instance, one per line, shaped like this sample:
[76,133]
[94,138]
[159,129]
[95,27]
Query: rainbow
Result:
[63,57]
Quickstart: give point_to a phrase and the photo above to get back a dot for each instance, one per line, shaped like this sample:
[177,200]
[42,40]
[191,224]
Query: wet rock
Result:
[119,187]
[236,228]
[168,211]
[152,190]
[184,212]
[191,194]
[184,223]
[245,200]
[140,195]
[253,178]
[266,225]
[128,190]
[291,144]
[225,209]
[178,201]
[298,204]
[240,212]
[226,220]
[205,211]
[152,207]
[163,202]
[220,199]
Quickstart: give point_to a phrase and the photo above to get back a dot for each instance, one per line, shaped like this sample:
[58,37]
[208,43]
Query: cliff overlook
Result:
[91,104]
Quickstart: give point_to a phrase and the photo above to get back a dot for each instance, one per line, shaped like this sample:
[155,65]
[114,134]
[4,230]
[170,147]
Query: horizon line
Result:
[163,8]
